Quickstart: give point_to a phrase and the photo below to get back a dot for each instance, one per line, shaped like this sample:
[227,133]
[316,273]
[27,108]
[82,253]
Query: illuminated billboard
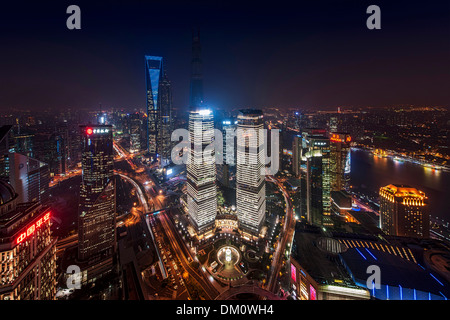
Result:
[312,293]
[33,227]
[293,273]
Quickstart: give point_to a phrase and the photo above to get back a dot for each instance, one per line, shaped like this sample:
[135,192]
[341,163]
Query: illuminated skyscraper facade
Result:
[297,155]
[159,109]
[165,120]
[403,211]
[250,175]
[6,146]
[97,210]
[316,150]
[226,171]
[340,161]
[27,249]
[201,172]
[135,132]
[153,75]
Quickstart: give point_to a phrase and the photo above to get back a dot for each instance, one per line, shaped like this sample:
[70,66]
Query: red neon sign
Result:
[89,131]
[31,229]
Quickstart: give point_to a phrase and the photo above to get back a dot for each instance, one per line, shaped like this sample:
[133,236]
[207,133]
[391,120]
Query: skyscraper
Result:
[165,120]
[296,155]
[228,167]
[135,132]
[6,146]
[159,109]
[27,249]
[403,211]
[339,161]
[316,150]
[250,180]
[201,172]
[153,77]
[96,220]
[29,177]
[196,90]
[49,147]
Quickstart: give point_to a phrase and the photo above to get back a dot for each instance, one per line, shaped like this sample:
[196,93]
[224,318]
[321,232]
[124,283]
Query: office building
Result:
[340,161]
[165,120]
[135,133]
[50,147]
[97,209]
[316,150]
[297,155]
[24,143]
[404,211]
[226,171]
[29,177]
[27,249]
[159,110]
[201,172]
[6,146]
[250,174]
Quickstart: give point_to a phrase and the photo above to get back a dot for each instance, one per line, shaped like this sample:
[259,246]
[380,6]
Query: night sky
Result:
[307,54]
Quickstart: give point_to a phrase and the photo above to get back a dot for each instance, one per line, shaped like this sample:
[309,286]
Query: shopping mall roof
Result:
[402,276]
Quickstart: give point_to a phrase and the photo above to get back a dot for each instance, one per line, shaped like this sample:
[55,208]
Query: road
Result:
[65,243]
[361,204]
[142,181]
[184,255]
[285,237]
[59,178]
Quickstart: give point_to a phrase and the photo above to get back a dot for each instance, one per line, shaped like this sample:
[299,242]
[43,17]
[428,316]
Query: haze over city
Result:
[314,55]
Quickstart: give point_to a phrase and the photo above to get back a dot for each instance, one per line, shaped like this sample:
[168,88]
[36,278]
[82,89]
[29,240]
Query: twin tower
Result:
[250,178]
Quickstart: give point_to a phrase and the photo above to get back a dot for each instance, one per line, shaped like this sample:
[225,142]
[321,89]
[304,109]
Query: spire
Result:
[196,91]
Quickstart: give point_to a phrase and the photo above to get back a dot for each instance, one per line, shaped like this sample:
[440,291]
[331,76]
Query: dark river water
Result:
[369,173]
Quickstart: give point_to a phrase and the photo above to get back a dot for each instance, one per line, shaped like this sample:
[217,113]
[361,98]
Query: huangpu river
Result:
[369,173]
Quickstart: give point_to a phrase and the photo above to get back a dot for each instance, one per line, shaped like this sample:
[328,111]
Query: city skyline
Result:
[174,151]
[314,55]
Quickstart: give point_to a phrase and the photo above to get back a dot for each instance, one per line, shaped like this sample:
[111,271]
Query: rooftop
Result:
[322,265]
[404,191]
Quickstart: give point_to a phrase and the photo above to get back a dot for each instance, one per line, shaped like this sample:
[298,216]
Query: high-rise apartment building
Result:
[201,171]
[403,211]
[250,175]
[27,249]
